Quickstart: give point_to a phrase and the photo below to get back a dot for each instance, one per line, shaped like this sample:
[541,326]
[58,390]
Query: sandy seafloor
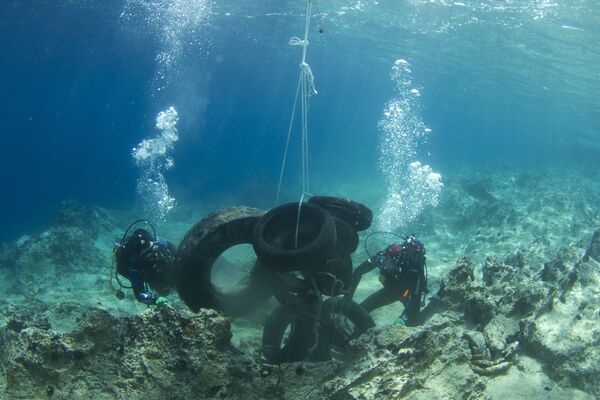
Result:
[494,211]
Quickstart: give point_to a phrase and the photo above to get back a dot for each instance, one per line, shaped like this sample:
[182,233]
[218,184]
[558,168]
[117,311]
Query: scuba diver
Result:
[147,262]
[403,275]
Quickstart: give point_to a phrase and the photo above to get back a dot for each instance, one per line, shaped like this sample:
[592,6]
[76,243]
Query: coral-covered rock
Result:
[500,332]
[460,291]
[565,333]
[92,220]
[60,246]
[496,273]
[160,353]
[458,284]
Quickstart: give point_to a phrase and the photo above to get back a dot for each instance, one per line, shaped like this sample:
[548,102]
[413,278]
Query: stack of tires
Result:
[314,238]
[303,252]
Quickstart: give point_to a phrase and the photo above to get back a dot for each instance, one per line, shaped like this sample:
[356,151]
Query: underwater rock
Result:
[460,280]
[431,361]
[160,353]
[69,244]
[565,333]
[478,344]
[65,247]
[499,333]
[594,248]
[554,319]
[92,220]
[63,263]
[459,291]
[497,273]
[554,270]
[18,318]
[511,287]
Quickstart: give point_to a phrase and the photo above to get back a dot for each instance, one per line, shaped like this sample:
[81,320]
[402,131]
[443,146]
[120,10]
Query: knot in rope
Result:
[296,41]
[306,89]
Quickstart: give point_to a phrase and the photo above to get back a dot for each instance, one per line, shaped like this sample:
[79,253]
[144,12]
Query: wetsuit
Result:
[147,264]
[402,272]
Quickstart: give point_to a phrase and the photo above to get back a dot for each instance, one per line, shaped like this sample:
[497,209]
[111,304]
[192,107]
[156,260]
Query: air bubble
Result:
[150,157]
[411,185]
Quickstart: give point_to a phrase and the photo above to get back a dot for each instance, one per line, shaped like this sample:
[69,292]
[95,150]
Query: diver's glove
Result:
[148,298]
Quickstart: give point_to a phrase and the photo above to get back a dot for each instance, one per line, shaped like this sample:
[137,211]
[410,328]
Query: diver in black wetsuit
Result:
[148,263]
[402,273]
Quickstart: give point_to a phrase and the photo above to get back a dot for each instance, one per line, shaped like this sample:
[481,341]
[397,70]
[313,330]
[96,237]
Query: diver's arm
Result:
[376,260]
[367,266]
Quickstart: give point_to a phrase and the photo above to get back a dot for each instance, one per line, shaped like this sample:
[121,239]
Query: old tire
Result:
[200,248]
[347,237]
[302,337]
[353,312]
[274,237]
[295,347]
[355,214]
[302,343]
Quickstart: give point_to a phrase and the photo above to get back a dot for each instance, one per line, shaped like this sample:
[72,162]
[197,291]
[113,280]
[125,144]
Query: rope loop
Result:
[296,41]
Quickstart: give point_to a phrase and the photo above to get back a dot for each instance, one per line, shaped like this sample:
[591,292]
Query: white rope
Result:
[304,138]
[306,82]
[287,143]
[298,222]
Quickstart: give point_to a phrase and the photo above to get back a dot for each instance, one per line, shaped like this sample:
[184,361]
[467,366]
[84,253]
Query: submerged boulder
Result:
[460,291]
[565,332]
[93,220]
[68,245]
[160,353]
[522,308]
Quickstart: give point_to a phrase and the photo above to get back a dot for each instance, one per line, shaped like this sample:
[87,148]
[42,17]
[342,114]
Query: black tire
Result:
[353,312]
[274,237]
[200,248]
[347,237]
[297,344]
[287,285]
[302,338]
[355,214]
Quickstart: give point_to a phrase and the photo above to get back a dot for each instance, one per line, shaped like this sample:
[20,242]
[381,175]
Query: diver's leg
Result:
[380,298]
[412,309]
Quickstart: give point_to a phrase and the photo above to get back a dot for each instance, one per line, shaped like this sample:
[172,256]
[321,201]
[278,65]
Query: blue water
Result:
[513,82]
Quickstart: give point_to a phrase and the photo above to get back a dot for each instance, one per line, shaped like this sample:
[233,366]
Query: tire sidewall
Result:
[318,250]
[357,215]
